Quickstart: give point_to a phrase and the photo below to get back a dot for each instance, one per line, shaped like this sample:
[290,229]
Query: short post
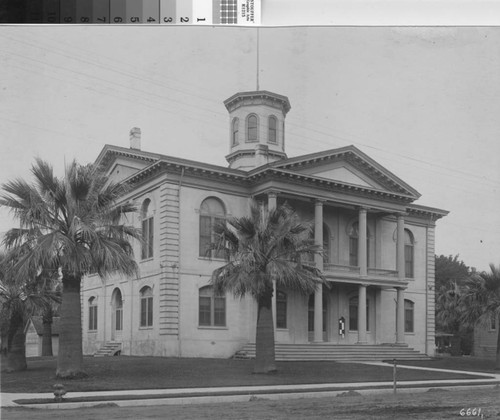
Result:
[394,376]
[59,392]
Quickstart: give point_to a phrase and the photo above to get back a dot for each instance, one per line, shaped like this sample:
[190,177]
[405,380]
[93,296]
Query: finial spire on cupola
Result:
[257,128]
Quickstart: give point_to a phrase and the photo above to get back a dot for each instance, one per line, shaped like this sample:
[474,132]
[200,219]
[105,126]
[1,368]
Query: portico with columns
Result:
[379,277]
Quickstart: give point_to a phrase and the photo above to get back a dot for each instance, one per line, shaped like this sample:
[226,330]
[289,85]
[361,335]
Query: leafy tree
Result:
[451,274]
[72,223]
[450,269]
[481,301]
[261,249]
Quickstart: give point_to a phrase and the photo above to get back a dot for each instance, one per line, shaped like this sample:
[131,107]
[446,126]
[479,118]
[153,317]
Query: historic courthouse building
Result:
[378,246]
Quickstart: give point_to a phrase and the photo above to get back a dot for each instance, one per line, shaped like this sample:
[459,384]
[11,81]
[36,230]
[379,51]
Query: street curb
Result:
[257,394]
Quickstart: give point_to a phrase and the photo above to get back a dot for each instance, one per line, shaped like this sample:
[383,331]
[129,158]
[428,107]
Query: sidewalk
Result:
[246,393]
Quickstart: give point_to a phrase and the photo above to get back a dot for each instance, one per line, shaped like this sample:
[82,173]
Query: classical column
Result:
[400,247]
[362,257]
[318,260]
[400,316]
[362,314]
[272,203]
[272,200]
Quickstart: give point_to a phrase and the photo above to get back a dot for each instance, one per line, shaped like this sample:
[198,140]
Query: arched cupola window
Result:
[235,129]
[272,129]
[252,127]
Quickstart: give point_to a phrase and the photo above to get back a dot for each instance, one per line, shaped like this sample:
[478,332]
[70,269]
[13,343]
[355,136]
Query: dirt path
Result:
[436,404]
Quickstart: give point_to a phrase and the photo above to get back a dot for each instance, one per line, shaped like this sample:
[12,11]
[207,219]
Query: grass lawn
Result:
[458,363]
[129,372]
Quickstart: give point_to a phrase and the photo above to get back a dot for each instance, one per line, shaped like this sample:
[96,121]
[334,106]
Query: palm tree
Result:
[49,283]
[261,249]
[18,302]
[72,223]
[481,301]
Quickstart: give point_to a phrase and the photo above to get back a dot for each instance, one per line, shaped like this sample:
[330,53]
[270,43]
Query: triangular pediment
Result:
[119,163]
[342,172]
[123,170]
[348,165]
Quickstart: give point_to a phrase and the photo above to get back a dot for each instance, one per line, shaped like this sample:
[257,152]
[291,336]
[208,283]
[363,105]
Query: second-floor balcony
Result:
[348,273]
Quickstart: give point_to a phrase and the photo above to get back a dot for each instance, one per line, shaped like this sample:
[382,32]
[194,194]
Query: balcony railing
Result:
[378,272]
[339,267]
[382,272]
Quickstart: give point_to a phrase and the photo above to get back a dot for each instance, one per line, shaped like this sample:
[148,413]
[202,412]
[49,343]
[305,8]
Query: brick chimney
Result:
[135,138]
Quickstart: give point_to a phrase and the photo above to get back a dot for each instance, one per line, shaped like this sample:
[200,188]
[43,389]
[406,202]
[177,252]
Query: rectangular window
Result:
[280,309]
[147,238]
[409,261]
[353,317]
[205,311]
[119,319]
[353,252]
[93,317]
[493,322]
[147,312]
[281,314]
[205,235]
[409,317]
[219,311]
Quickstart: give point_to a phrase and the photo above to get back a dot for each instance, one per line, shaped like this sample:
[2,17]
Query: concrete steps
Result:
[111,348]
[336,352]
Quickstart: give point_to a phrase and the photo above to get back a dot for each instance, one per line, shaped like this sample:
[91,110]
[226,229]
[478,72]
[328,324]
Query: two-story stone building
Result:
[378,246]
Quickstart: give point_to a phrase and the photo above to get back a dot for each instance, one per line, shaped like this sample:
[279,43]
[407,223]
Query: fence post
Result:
[394,376]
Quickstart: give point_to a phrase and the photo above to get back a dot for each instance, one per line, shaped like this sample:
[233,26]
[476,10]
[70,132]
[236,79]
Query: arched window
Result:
[353,314]
[310,317]
[409,264]
[409,316]
[272,129]
[147,230]
[118,306]
[280,309]
[252,125]
[235,129]
[92,314]
[146,307]
[353,246]
[211,308]
[211,212]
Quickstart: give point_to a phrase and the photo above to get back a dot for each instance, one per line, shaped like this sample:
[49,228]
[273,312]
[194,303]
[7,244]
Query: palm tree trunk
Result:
[264,341]
[16,347]
[70,356]
[47,333]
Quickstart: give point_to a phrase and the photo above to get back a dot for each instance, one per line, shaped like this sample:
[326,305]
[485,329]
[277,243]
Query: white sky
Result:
[424,103]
